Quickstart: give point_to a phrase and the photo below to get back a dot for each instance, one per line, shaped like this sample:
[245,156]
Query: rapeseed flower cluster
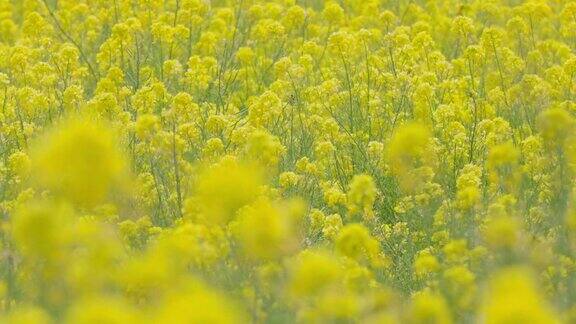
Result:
[280,161]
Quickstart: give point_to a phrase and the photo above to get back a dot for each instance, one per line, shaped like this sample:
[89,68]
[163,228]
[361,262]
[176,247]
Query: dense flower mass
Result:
[281,161]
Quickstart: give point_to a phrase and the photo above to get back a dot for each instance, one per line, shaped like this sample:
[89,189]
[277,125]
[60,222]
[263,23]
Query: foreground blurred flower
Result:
[79,160]
[513,297]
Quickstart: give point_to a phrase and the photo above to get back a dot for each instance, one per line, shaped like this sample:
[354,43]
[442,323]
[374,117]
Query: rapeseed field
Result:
[287,161]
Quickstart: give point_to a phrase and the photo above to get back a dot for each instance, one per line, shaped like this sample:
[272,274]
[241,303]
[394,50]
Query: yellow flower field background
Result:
[308,161]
